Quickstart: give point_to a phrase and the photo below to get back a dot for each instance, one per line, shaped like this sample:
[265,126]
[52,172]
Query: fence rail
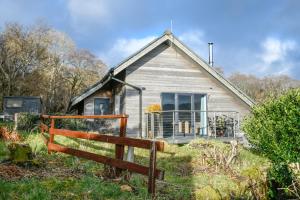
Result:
[119,141]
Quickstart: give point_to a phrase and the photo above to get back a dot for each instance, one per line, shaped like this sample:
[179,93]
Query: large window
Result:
[183,101]
[101,106]
[168,101]
[186,110]
[14,103]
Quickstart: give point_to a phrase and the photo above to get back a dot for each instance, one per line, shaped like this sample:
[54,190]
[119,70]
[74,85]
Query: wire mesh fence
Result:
[191,123]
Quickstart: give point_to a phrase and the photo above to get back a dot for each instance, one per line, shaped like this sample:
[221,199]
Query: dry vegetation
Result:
[212,168]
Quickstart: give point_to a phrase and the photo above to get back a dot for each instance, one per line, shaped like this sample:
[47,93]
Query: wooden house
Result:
[195,99]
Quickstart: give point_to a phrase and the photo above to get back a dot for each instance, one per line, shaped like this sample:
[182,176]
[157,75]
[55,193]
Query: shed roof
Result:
[24,97]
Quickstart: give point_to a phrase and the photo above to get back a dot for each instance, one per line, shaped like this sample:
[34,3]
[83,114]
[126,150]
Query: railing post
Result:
[173,126]
[194,123]
[146,125]
[215,125]
[160,125]
[119,153]
[234,125]
[238,122]
[152,167]
[152,125]
[51,139]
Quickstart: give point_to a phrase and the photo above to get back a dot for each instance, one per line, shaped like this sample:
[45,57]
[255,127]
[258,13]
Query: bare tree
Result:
[261,88]
[41,61]
[19,54]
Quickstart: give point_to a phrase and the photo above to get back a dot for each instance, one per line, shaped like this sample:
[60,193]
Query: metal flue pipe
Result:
[210,54]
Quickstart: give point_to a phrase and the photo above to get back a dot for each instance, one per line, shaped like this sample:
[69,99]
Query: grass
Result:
[68,177]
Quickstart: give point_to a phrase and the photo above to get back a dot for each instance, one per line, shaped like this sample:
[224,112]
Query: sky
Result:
[258,37]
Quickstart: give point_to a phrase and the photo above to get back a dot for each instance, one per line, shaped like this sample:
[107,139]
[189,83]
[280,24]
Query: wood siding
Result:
[89,101]
[167,69]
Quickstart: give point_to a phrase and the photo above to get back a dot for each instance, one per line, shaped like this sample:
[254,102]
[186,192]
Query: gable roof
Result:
[166,37]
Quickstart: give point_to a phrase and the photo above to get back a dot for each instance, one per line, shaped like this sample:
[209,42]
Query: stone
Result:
[126,188]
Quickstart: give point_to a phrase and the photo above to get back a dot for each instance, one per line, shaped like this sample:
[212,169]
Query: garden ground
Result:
[191,171]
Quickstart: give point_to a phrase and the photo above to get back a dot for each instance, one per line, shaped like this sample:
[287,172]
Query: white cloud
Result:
[195,40]
[89,12]
[274,57]
[123,48]
[276,50]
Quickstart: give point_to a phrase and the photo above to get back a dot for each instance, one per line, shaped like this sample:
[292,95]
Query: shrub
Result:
[27,121]
[208,193]
[274,127]
[274,130]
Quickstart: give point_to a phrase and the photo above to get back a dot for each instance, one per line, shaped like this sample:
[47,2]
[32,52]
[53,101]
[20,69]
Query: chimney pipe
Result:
[210,55]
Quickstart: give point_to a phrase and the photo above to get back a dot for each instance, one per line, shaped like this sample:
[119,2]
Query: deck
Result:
[187,139]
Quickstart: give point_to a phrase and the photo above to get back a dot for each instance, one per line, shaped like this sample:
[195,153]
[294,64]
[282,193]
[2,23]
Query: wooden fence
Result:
[120,142]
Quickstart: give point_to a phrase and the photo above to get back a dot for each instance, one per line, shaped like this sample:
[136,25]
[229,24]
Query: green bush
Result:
[274,130]
[274,127]
[27,121]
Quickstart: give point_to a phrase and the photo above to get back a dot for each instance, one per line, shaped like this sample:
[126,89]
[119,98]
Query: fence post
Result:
[119,153]
[51,139]
[16,117]
[152,167]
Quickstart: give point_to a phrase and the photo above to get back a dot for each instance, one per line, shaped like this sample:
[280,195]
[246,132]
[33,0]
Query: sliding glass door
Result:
[184,114]
[168,104]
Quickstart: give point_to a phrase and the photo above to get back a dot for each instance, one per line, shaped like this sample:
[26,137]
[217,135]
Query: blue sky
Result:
[250,36]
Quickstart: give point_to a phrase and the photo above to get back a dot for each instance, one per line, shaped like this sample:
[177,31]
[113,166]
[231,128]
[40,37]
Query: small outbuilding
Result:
[18,104]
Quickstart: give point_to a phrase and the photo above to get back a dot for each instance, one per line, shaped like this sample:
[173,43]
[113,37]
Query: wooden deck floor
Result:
[187,139]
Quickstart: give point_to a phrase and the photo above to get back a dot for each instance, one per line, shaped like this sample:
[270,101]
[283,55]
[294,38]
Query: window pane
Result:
[184,102]
[168,101]
[197,106]
[14,103]
[101,106]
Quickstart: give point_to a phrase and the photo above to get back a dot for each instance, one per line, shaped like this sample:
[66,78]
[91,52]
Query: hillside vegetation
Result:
[201,169]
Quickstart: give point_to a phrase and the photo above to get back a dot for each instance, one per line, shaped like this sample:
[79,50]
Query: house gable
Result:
[168,38]
[167,69]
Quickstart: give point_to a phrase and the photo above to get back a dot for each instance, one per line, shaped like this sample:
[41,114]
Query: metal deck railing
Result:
[183,123]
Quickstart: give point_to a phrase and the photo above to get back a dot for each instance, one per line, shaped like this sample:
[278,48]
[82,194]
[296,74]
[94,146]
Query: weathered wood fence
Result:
[120,142]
